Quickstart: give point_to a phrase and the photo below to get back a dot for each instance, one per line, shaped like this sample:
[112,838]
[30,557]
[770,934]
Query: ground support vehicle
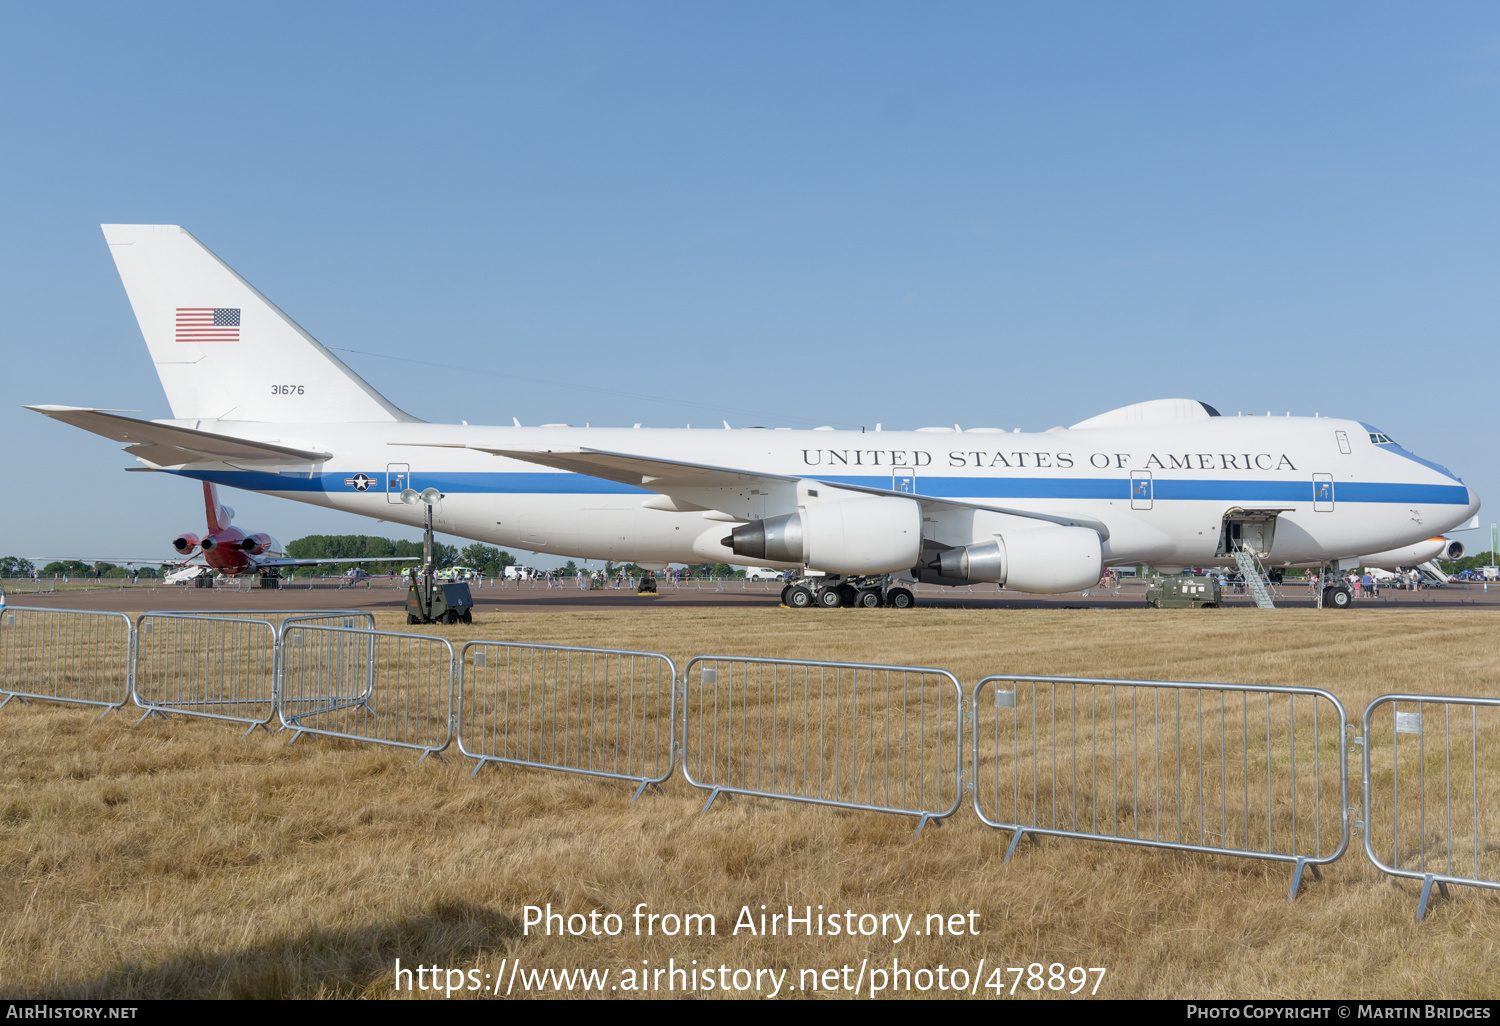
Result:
[1183,593]
[438,602]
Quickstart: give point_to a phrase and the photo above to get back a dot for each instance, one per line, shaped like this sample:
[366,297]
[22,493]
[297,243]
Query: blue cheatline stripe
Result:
[530,483]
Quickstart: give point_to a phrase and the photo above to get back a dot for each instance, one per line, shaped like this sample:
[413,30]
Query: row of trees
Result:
[16,566]
[485,558]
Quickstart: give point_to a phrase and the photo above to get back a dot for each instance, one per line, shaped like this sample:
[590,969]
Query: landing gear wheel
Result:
[1337,598]
[450,617]
[799,597]
[900,598]
[848,594]
[785,591]
[868,600]
[829,598]
[468,616]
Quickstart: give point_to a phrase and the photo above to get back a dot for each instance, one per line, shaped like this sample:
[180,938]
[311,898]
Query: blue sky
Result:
[792,214]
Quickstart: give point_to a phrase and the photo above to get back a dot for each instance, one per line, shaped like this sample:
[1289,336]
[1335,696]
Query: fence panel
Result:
[279,617]
[65,655]
[1432,790]
[367,685]
[853,735]
[219,667]
[1230,769]
[596,711]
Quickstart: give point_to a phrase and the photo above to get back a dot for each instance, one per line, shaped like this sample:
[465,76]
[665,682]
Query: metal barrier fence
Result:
[348,654]
[66,655]
[597,711]
[366,685]
[279,617]
[1227,769]
[1450,762]
[1250,771]
[853,735]
[219,667]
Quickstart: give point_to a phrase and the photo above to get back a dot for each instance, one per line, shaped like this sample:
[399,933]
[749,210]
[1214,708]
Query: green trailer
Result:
[1183,593]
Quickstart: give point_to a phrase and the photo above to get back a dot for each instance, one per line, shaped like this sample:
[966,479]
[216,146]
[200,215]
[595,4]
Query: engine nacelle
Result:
[848,536]
[258,544]
[1414,555]
[185,542]
[1046,560]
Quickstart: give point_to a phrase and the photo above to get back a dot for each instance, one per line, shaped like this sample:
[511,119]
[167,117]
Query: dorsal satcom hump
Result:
[1155,411]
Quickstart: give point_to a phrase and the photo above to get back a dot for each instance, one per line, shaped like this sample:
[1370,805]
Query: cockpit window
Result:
[1380,439]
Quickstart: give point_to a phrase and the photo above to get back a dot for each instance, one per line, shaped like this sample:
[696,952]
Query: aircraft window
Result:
[1379,439]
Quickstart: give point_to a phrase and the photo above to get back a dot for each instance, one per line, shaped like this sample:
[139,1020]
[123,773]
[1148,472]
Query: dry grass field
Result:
[177,859]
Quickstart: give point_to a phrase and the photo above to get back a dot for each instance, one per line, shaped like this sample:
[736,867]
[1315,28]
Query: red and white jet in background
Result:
[229,550]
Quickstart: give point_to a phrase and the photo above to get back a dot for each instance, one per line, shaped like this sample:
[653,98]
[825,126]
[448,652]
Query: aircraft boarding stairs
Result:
[1254,576]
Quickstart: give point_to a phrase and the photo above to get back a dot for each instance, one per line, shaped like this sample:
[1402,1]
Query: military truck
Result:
[1183,593]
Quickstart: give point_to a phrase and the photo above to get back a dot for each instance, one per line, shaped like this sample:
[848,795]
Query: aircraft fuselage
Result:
[1162,490]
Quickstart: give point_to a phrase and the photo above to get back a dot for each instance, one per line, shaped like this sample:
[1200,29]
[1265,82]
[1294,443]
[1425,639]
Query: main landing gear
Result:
[834,592]
[1336,595]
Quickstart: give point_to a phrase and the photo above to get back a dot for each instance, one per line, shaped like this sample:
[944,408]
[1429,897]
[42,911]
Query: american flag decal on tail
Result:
[207,324]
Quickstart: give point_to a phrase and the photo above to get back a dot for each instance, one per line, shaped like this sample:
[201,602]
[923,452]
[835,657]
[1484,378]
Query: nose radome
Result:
[1473,502]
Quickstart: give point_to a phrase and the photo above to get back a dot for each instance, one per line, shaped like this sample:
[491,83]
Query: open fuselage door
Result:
[1248,530]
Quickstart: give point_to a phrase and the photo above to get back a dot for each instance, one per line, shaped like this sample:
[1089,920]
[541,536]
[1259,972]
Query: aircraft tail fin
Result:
[218,515]
[222,350]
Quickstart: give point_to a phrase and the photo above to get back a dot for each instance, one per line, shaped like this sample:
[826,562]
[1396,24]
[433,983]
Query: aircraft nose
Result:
[1473,502]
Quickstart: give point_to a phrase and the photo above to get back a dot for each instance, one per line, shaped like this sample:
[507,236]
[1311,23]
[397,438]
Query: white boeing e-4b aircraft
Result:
[259,404]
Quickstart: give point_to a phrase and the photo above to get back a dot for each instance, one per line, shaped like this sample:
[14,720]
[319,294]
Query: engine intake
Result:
[778,539]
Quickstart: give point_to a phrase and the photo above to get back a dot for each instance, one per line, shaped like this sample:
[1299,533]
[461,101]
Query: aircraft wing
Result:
[114,560]
[663,476]
[642,471]
[167,445]
[335,559]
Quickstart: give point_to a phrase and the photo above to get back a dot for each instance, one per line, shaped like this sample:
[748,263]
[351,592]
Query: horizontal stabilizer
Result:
[166,445]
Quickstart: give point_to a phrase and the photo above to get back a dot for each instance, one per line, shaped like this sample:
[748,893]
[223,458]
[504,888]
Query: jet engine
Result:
[1414,555]
[258,544]
[1047,560]
[849,536]
[185,543]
